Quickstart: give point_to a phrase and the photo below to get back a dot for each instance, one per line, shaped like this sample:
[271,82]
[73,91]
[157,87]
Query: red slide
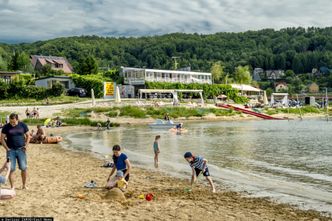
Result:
[246,111]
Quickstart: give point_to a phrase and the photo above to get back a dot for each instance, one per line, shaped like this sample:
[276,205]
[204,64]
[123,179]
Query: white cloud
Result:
[28,20]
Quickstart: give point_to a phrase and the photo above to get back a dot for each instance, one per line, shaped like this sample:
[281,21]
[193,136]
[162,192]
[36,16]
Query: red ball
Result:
[149,197]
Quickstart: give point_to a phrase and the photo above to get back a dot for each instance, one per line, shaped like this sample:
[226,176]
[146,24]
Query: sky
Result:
[33,20]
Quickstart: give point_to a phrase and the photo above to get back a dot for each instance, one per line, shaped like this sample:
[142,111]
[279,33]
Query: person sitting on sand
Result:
[156,151]
[40,134]
[166,117]
[58,122]
[198,165]
[108,124]
[117,181]
[6,193]
[121,163]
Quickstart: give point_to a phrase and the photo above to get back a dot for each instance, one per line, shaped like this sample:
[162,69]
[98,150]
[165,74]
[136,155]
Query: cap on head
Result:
[119,173]
[188,154]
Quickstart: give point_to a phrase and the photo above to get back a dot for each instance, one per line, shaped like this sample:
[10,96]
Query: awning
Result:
[245,87]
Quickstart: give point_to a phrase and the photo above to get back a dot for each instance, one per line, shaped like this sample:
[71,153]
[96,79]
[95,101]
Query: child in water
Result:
[198,166]
[156,151]
[118,181]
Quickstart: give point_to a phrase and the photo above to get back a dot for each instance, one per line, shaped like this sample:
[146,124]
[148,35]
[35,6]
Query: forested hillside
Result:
[297,49]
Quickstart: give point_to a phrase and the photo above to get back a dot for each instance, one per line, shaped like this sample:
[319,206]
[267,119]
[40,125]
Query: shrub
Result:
[56,90]
[132,111]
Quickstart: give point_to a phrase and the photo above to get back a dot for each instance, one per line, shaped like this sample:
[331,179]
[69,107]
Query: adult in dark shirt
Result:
[121,162]
[15,139]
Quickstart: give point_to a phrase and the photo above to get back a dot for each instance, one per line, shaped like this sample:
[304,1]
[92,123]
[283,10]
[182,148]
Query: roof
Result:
[167,90]
[56,77]
[10,72]
[245,87]
[166,71]
[67,68]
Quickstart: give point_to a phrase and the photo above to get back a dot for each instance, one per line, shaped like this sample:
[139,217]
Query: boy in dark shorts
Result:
[198,165]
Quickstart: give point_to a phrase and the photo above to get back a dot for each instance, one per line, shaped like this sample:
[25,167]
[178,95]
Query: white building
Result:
[138,76]
[48,82]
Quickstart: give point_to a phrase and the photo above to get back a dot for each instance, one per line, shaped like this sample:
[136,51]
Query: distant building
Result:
[48,82]
[258,72]
[313,88]
[138,76]
[274,74]
[281,86]
[56,63]
[8,76]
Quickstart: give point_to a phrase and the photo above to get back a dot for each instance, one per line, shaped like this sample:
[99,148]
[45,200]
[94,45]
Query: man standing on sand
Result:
[15,139]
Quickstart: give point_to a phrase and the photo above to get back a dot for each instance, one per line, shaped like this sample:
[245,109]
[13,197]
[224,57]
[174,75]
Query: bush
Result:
[56,90]
[132,111]
[88,82]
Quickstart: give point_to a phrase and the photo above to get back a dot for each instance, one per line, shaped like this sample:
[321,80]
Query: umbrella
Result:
[117,95]
[265,101]
[47,121]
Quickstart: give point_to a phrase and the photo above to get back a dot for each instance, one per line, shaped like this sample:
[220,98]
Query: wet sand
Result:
[57,176]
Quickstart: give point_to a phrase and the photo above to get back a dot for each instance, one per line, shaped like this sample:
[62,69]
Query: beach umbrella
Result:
[117,95]
[265,101]
[47,121]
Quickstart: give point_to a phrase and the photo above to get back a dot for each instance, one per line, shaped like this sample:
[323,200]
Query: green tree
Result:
[217,71]
[88,66]
[3,64]
[242,75]
[14,64]
[23,62]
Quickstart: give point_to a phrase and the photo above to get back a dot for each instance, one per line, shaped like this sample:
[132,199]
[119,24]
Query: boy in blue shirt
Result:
[198,166]
[121,163]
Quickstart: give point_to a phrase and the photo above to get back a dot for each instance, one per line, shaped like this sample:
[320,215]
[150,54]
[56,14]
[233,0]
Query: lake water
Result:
[289,161]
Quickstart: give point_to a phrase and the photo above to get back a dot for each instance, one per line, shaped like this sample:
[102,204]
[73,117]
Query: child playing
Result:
[121,163]
[156,151]
[6,193]
[198,165]
[117,181]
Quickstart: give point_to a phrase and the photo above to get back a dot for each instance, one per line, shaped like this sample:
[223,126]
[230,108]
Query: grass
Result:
[3,115]
[154,112]
[304,110]
[71,122]
[52,100]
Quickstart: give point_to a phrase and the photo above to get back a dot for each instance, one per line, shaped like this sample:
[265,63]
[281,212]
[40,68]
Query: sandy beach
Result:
[57,176]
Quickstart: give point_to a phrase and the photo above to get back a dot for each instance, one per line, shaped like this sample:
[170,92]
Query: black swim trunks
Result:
[205,173]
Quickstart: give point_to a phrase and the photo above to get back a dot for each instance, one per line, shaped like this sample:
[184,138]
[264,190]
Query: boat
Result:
[163,124]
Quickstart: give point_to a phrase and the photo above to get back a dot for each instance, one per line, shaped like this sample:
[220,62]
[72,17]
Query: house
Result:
[56,63]
[48,82]
[138,76]
[8,76]
[313,88]
[274,74]
[258,72]
[281,86]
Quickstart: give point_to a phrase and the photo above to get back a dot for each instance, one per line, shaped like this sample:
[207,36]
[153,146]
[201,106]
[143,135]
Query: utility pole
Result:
[326,105]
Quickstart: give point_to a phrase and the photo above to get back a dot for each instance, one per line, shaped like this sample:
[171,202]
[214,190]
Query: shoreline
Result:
[57,175]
